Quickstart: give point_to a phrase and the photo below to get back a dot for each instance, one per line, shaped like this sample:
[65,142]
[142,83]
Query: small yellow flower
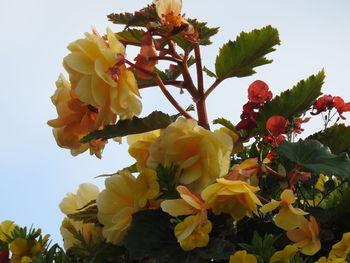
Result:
[75,120]
[285,255]
[116,205]
[6,228]
[236,198]
[23,251]
[246,171]
[321,181]
[325,260]
[139,146]
[288,217]
[306,236]
[92,234]
[73,202]
[100,78]
[241,256]
[191,234]
[202,155]
[146,186]
[342,248]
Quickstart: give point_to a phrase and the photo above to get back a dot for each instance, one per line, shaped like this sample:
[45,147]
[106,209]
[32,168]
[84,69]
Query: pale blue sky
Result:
[36,174]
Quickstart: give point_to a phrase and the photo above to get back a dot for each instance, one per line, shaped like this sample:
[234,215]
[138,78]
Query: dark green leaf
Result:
[156,120]
[322,216]
[209,73]
[292,103]
[332,137]
[139,18]
[167,181]
[312,155]
[226,123]
[217,249]
[239,58]
[88,215]
[131,35]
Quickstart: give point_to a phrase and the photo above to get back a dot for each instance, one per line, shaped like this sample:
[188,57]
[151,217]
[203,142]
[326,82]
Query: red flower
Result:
[297,125]
[323,103]
[4,256]
[277,125]
[258,92]
[247,124]
[341,106]
[274,141]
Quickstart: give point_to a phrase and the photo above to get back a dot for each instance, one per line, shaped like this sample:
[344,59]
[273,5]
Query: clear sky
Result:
[36,174]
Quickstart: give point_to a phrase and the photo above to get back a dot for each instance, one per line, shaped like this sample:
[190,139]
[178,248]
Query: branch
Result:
[171,98]
[212,87]
[175,83]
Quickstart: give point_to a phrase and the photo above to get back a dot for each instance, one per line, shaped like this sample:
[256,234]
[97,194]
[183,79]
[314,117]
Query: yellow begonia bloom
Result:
[139,146]
[91,233]
[100,78]
[73,202]
[288,217]
[202,155]
[242,257]
[146,186]
[116,205]
[285,255]
[321,181]
[191,234]
[6,228]
[246,171]
[236,198]
[306,236]
[23,251]
[75,120]
[342,248]
[237,143]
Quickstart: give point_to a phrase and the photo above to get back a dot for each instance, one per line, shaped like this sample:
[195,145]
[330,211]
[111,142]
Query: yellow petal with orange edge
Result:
[288,196]
[270,206]
[287,220]
[190,198]
[176,207]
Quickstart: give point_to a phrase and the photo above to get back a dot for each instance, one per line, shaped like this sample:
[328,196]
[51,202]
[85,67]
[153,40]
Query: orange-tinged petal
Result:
[270,206]
[190,198]
[177,207]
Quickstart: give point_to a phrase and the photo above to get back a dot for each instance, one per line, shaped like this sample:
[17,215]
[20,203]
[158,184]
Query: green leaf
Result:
[217,249]
[205,33]
[226,123]
[131,35]
[209,73]
[312,155]
[88,215]
[337,138]
[292,103]
[239,58]
[139,18]
[167,181]
[156,120]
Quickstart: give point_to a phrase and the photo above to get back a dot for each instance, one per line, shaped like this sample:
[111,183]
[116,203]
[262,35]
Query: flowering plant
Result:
[246,192]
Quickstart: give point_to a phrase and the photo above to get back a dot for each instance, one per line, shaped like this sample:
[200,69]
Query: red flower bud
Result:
[258,92]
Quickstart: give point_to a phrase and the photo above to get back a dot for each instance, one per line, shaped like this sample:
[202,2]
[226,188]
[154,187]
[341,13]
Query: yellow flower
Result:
[236,198]
[285,255]
[288,217]
[116,205]
[139,146]
[75,120]
[73,202]
[146,186]
[202,155]
[92,234]
[246,171]
[100,78]
[306,236]
[241,256]
[191,234]
[23,251]
[321,181]
[342,248]
[6,228]
[325,260]
[237,143]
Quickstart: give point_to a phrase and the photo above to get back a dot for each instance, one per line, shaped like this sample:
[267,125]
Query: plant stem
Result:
[212,87]
[165,58]
[171,98]
[174,83]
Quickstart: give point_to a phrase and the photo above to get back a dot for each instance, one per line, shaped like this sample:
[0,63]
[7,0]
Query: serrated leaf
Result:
[312,155]
[139,18]
[88,215]
[226,123]
[337,138]
[156,120]
[131,35]
[209,72]
[292,103]
[239,58]
[205,33]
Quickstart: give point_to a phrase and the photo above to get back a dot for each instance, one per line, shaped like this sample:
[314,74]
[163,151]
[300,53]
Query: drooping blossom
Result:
[236,198]
[202,155]
[258,92]
[242,256]
[99,77]
[277,125]
[341,106]
[306,236]
[288,217]
[328,102]
[75,120]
